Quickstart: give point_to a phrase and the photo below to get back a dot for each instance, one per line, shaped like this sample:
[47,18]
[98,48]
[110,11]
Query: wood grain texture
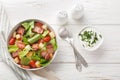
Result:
[104,63]
[67,71]
[96,11]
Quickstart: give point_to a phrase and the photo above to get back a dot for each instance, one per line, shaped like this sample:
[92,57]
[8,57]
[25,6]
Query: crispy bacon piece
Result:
[15,54]
[38,28]
[21,45]
[38,24]
[35,46]
[50,48]
[43,53]
[47,57]
[26,67]
[20,30]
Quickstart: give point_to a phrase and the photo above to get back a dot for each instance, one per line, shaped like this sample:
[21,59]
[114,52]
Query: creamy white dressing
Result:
[94,45]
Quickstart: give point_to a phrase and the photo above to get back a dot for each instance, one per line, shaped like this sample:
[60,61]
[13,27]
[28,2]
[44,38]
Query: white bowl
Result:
[97,45]
[14,28]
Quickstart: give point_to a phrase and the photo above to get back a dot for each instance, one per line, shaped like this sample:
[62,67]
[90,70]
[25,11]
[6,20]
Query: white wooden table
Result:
[104,63]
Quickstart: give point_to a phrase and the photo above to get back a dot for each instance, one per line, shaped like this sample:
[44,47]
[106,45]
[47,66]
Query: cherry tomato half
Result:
[32,64]
[12,41]
[47,39]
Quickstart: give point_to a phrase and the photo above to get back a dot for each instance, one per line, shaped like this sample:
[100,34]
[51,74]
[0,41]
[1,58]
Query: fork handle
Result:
[78,56]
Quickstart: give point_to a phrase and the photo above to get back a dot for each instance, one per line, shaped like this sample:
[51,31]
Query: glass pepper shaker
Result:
[77,11]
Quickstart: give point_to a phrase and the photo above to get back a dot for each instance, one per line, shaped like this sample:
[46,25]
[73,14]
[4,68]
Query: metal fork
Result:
[67,36]
[78,58]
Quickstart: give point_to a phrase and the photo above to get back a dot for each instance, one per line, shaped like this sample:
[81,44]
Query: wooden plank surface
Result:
[96,11]
[67,71]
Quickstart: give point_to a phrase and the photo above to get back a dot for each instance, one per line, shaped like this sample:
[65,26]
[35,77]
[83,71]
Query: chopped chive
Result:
[100,36]
[87,37]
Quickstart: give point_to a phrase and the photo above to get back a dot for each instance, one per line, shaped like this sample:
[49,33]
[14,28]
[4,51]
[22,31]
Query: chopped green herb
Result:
[100,36]
[89,37]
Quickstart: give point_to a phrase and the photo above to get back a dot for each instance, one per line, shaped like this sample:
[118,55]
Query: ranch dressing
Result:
[90,38]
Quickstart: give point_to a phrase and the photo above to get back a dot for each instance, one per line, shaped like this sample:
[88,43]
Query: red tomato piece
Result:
[32,64]
[21,45]
[12,41]
[47,39]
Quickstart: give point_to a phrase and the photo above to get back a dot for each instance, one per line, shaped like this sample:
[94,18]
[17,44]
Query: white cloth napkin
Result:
[6,72]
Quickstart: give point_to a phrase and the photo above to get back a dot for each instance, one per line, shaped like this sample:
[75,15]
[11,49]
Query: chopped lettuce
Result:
[38,52]
[45,33]
[42,61]
[25,51]
[25,40]
[55,46]
[35,57]
[53,42]
[25,61]
[28,47]
[12,48]
[34,38]
[31,24]
[44,47]
[26,25]
[29,32]
[45,63]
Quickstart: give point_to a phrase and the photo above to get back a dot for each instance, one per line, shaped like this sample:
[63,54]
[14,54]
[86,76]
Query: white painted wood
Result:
[93,72]
[104,63]
[109,51]
[96,11]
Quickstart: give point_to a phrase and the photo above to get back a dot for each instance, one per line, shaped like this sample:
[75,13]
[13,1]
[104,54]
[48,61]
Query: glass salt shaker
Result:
[77,11]
[62,17]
